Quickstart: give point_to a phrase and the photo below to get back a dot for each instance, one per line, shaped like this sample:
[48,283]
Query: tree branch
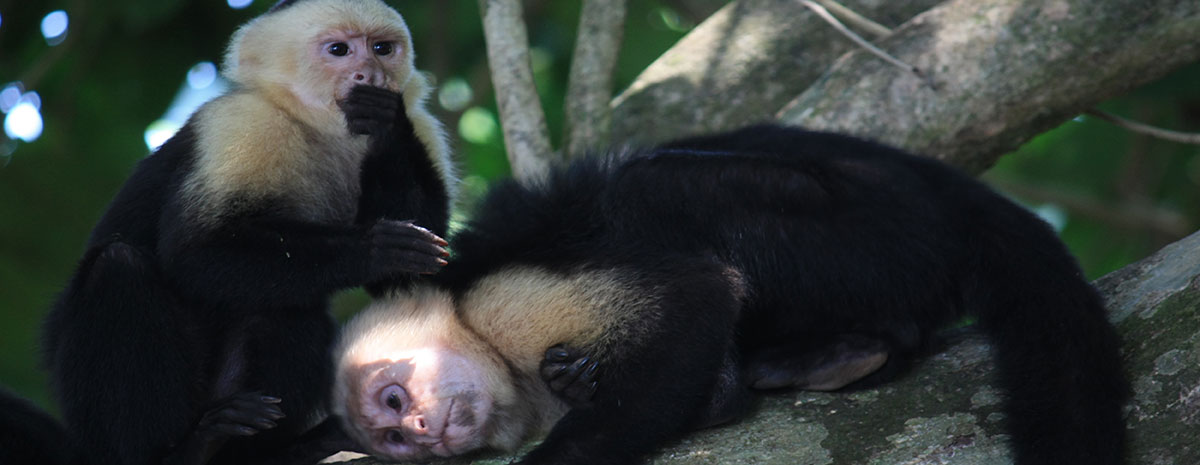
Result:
[739,66]
[525,135]
[1005,71]
[590,88]
[1146,129]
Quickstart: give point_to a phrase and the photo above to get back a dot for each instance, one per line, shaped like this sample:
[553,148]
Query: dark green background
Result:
[123,62]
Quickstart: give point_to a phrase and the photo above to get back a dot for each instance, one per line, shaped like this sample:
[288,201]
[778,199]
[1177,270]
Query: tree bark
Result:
[998,73]
[740,66]
[526,138]
[590,86]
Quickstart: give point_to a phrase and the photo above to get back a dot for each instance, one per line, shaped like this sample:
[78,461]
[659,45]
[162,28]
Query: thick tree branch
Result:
[1004,71]
[739,66]
[525,135]
[590,88]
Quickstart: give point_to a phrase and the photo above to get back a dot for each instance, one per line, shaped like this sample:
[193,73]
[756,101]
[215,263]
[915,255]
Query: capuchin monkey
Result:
[195,329]
[669,283]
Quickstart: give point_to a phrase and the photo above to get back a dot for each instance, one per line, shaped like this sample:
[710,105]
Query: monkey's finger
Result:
[248,410]
[551,371]
[406,244]
[375,98]
[408,227]
[570,374]
[367,90]
[411,262]
[248,415]
[557,353]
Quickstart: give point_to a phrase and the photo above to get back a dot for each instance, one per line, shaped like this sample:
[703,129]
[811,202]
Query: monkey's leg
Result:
[571,375]
[730,397]
[843,360]
[244,414]
[125,358]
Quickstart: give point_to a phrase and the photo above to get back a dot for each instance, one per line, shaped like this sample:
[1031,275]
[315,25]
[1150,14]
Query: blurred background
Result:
[88,88]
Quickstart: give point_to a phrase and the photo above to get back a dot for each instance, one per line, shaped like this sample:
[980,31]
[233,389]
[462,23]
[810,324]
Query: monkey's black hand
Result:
[403,247]
[570,374]
[375,111]
[244,414]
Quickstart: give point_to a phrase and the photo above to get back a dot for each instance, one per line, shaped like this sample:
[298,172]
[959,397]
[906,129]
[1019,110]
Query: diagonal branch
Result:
[1005,70]
[739,66]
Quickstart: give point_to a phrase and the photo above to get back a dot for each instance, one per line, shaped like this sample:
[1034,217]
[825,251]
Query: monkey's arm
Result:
[399,178]
[647,391]
[279,262]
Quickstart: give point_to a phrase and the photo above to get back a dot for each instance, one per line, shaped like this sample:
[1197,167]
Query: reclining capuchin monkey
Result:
[670,282]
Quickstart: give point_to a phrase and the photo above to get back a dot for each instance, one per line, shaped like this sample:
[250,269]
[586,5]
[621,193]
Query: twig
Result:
[525,135]
[825,15]
[590,87]
[1142,128]
[855,19]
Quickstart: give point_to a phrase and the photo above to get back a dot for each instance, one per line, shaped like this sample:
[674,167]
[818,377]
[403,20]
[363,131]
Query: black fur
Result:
[28,435]
[177,341]
[772,249]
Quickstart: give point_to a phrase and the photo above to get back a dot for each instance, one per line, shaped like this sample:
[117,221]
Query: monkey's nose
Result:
[418,424]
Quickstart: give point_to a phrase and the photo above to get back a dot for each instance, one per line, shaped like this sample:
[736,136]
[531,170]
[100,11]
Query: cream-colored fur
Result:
[524,310]
[506,321]
[280,132]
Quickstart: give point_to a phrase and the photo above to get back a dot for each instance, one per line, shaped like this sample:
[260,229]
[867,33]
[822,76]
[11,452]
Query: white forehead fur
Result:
[263,40]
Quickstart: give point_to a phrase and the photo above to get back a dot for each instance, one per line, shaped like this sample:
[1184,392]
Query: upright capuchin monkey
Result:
[195,329]
[669,283]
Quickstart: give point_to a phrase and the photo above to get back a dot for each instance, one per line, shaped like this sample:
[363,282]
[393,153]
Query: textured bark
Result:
[525,135]
[741,65]
[590,88]
[999,72]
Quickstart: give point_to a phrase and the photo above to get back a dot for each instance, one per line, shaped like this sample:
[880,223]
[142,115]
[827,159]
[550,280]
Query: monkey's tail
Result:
[29,435]
[1056,353]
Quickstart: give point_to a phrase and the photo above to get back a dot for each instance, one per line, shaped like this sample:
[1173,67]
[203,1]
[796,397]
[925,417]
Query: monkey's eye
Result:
[338,49]
[393,401]
[394,437]
[383,48]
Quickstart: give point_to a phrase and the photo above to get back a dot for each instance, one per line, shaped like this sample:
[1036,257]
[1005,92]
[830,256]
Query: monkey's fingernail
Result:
[591,369]
[557,354]
[439,241]
[271,399]
[441,262]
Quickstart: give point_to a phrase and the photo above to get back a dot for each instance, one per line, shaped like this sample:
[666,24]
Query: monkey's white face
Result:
[422,403]
[350,58]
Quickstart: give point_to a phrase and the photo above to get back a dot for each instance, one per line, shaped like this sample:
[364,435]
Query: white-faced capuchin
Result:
[668,283]
[195,329]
